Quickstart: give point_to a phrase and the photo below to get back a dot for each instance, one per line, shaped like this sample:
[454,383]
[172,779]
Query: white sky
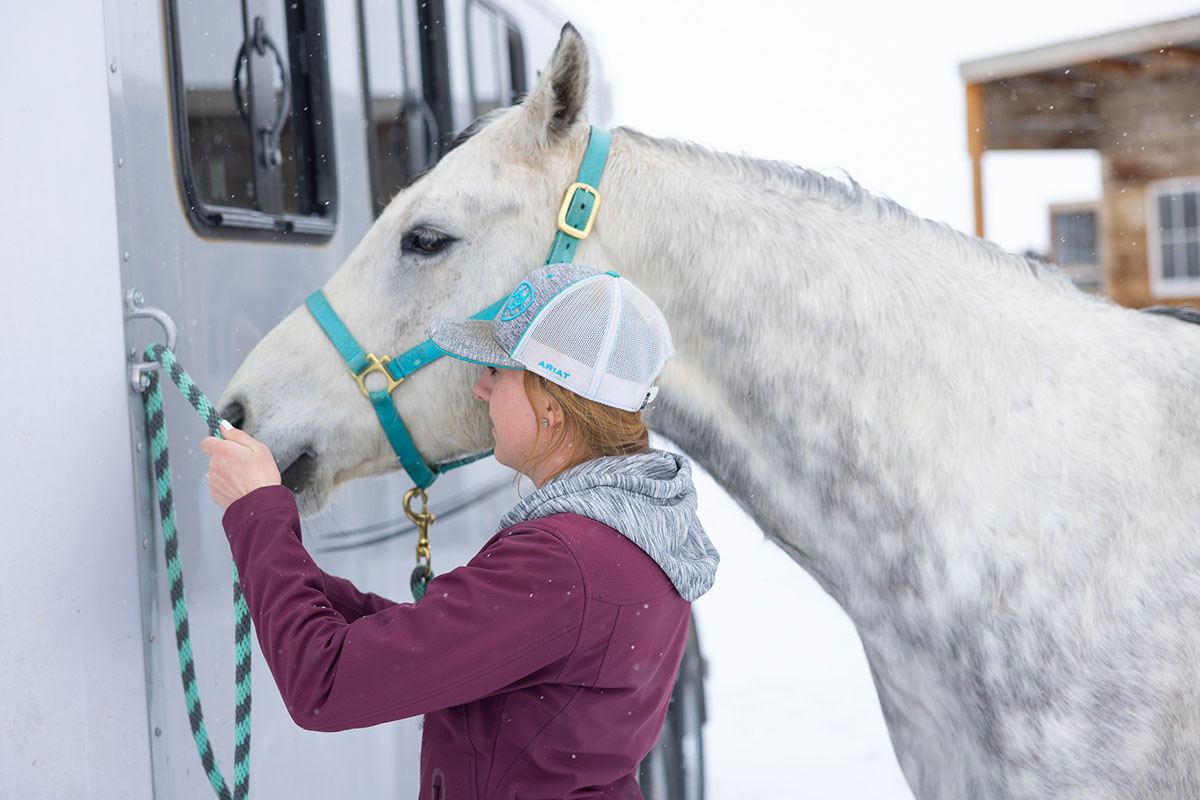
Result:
[869,88]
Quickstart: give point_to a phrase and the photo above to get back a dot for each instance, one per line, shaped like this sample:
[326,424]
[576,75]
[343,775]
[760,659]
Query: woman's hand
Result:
[238,465]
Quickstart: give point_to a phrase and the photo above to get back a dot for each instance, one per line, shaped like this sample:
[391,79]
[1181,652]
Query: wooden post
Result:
[976,143]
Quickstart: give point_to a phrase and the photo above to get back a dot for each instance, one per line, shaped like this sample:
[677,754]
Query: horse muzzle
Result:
[300,474]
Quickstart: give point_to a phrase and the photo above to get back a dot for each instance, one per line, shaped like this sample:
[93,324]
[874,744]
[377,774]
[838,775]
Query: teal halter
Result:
[575,217]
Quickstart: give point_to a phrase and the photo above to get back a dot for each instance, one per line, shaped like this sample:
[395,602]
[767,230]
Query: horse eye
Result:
[425,242]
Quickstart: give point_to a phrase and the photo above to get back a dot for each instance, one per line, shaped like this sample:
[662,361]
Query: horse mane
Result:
[849,194]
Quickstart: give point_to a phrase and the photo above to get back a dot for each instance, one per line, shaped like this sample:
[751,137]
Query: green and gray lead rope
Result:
[157,433]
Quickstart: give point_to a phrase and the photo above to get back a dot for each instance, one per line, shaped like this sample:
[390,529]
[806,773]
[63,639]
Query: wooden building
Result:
[1134,97]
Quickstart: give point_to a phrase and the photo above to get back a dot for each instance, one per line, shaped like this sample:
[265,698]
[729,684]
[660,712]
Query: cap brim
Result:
[471,340]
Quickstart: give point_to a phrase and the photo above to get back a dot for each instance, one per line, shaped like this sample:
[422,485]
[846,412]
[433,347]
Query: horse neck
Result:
[830,370]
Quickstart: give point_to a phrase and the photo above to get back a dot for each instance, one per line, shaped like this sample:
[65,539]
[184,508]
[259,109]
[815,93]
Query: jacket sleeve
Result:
[345,598]
[510,617]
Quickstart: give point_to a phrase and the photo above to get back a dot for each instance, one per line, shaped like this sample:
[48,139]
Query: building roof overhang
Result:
[1045,98]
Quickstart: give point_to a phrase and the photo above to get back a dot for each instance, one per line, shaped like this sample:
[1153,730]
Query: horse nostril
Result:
[300,473]
[235,413]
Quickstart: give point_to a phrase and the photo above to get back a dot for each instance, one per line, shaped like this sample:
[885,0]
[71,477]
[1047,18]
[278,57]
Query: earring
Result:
[545,422]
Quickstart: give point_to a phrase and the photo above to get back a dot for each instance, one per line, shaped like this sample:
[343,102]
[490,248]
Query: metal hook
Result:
[135,307]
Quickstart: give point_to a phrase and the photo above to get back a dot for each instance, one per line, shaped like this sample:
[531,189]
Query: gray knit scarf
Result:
[649,498]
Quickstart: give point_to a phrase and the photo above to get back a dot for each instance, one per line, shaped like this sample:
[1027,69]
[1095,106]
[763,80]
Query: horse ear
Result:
[559,99]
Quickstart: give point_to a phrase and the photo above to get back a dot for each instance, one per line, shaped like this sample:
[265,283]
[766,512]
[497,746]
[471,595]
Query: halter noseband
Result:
[580,203]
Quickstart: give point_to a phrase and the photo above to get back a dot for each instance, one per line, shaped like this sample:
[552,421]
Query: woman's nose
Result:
[481,391]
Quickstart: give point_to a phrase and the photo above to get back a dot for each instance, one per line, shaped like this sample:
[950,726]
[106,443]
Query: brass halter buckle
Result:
[376,365]
[568,199]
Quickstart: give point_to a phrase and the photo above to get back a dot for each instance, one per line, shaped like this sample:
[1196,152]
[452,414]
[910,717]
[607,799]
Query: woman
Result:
[545,665]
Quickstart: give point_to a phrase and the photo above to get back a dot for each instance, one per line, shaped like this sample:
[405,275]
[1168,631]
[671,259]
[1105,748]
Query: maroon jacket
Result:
[543,667]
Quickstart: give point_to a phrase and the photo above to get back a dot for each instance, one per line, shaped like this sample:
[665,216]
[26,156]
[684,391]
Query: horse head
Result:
[452,243]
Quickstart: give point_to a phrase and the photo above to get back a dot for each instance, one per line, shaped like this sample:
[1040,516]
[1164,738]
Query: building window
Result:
[1074,236]
[497,58]
[1073,242]
[251,115]
[1173,225]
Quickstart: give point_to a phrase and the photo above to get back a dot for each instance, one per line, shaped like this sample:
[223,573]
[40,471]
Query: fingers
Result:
[234,471]
[241,438]
[213,445]
[238,465]
[232,434]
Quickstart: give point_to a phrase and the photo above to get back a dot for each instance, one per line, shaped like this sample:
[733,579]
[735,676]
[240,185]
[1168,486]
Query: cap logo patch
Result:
[553,370]
[518,301]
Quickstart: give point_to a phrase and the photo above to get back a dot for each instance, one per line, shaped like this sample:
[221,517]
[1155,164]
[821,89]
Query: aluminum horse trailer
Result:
[156,154]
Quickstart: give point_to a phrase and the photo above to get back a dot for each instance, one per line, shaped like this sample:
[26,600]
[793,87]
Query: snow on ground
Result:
[792,712]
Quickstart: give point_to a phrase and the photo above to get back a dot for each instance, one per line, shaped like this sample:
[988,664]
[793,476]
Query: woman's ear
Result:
[550,411]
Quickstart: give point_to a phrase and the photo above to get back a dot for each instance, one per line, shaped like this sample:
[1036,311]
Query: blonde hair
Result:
[598,430]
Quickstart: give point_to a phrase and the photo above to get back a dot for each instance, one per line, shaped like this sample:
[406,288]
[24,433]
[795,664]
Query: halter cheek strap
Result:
[582,200]
[395,370]
[575,218]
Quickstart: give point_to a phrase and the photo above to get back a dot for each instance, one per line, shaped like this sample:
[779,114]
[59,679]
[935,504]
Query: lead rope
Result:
[157,433]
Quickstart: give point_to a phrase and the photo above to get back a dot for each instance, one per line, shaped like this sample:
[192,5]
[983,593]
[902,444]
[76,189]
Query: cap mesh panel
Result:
[567,337]
[574,323]
[631,358]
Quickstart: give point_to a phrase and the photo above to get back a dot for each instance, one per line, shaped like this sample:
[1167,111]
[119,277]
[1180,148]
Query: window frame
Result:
[435,69]
[1087,275]
[433,79]
[1058,247]
[316,165]
[515,63]
[1160,285]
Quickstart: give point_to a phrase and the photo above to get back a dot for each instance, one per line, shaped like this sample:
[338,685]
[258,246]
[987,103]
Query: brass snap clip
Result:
[422,520]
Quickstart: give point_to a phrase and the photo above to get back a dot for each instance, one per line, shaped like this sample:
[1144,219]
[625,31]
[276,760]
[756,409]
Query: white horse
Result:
[996,476]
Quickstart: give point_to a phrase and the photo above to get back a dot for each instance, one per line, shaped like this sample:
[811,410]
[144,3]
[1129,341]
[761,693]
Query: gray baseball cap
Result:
[588,330]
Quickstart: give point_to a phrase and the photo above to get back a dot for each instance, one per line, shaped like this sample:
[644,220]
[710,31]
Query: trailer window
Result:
[404,127]
[251,116]
[497,57]
[1173,208]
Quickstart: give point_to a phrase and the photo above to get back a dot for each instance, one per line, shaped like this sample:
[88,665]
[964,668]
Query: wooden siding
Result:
[1150,131]
[1131,95]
